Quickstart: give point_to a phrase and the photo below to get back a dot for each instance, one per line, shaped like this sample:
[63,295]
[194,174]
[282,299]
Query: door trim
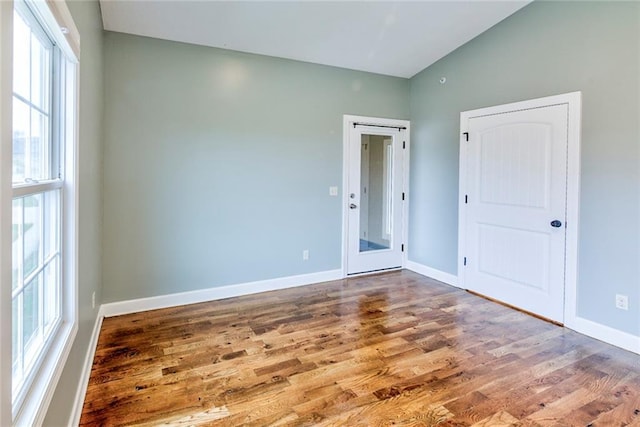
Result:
[573,101]
[347,122]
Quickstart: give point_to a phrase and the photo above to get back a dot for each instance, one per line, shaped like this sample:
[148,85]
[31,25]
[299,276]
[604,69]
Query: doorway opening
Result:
[375,182]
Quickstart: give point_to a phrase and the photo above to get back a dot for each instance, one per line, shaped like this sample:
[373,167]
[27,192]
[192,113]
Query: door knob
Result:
[555,223]
[352,206]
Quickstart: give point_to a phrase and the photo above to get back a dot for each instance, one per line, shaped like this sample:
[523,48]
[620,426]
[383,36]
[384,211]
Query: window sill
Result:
[36,402]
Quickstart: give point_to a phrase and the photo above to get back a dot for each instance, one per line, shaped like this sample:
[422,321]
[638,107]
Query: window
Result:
[43,315]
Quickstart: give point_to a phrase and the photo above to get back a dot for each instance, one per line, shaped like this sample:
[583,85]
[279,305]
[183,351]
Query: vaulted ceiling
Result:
[386,37]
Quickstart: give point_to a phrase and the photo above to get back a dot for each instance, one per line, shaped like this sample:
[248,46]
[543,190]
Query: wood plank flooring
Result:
[392,349]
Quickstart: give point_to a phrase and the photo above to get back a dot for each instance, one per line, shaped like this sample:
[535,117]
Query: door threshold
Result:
[537,316]
[372,272]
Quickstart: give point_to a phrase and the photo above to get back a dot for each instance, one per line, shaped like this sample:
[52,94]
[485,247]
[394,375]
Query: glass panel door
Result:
[376,195]
[375,201]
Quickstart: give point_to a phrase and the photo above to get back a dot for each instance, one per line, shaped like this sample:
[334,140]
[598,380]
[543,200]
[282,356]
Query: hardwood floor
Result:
[392,349]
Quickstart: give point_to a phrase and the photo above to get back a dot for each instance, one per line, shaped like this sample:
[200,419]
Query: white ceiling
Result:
[386,37]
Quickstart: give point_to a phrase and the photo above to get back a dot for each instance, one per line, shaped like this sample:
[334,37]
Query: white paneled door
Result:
[375,153]
[514,206]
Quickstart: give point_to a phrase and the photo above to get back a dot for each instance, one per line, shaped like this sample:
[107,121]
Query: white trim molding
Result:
[56,15]
[83,383]
[440,276]
[347,121]
[604,333]
[33,411]
[581,325]
[212,294]
[6,144]
[573,100]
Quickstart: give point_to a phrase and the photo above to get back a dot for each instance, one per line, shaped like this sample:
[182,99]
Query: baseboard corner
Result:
[436,274]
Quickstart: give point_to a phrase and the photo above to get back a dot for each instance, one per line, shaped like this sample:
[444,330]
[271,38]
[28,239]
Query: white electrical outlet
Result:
[93,300]
[305,255]
[622,302]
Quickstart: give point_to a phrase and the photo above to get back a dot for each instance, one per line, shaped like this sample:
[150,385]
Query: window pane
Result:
[51,292]
[16,244]
[40,74]
[32,103]
[32,233]
[21,56]
[21,138]
[51,222]
[30,310]
[31,143]
[37,155]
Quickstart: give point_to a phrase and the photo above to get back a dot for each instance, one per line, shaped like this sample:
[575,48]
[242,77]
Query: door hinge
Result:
[466,198]
[402,247]
[466,136]
[402,196]
[404,144]
[464,261]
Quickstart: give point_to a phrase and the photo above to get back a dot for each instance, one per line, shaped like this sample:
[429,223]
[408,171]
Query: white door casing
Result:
[518,204]
[374,213]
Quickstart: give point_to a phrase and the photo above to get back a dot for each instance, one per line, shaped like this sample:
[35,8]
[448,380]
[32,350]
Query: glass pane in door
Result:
[376,183]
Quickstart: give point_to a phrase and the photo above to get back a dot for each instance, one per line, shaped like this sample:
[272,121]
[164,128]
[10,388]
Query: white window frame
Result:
[32,409]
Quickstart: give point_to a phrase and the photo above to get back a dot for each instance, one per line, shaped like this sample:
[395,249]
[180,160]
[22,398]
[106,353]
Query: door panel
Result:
[519,256]
[516,183]
[375,186]
[512,157]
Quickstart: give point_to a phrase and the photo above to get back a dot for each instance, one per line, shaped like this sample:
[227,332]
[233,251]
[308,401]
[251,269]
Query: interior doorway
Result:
[518,205]
[375,197]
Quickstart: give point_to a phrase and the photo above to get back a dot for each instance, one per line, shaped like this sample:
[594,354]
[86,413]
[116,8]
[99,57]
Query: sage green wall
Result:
[86,15]
[547,48]
[217,164]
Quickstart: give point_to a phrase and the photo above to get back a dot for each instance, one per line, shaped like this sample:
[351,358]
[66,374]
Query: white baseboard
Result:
[211,294]
[440,276]
[604,333]
[81,391]
[586,327]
